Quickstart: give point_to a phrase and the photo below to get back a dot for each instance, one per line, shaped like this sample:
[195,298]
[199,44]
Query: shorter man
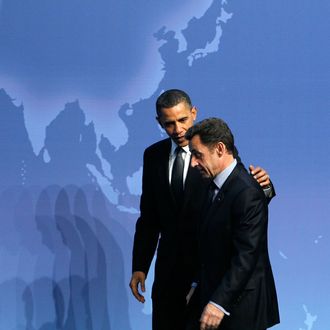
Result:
[235,287]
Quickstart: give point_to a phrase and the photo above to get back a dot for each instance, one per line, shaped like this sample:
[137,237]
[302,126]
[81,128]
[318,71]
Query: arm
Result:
[263,179]
[261,176]
[249,233]
[146,232]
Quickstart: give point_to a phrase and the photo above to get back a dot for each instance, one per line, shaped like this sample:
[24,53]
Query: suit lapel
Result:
[188,187]
[163,173]
[221,195]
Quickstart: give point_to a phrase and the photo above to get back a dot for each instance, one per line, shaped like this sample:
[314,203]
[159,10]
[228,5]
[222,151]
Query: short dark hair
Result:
[212,131]
[171,98]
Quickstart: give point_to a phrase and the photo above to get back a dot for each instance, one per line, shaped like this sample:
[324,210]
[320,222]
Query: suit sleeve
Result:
[269,191]
[147,227]
[250,216]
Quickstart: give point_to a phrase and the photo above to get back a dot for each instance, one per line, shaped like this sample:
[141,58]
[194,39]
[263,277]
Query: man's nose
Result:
[193,162]
[178,128]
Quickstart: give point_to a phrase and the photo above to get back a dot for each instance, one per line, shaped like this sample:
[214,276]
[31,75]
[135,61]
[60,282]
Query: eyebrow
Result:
[173,121]
[195,152]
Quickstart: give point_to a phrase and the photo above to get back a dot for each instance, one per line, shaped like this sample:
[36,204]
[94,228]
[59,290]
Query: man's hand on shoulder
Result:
[138,278]
[260,175]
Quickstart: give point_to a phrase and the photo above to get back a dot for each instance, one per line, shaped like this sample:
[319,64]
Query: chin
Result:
[181,143]
[204,174]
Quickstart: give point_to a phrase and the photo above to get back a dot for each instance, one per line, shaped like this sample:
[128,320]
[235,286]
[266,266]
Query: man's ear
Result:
[220,148]
[194,112]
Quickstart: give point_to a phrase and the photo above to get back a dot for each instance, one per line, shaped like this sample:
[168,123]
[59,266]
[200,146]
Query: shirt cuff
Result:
[219,307]
[268,191]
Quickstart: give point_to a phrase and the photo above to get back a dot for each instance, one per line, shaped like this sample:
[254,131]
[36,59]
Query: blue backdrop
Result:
[78,83]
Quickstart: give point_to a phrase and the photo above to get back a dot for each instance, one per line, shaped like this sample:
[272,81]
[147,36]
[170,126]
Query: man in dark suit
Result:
[235,285]
[170,204]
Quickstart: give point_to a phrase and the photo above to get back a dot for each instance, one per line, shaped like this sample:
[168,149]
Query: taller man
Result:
[170,206]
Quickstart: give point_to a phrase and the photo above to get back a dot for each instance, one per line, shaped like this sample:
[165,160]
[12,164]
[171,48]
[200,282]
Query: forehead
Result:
[180,110]
[196,143]
[197,146]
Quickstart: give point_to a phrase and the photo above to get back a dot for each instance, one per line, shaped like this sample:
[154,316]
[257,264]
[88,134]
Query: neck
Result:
[227,159]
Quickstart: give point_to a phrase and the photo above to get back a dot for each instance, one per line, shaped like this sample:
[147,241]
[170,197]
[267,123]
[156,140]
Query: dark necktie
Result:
[210,195]
[177,175]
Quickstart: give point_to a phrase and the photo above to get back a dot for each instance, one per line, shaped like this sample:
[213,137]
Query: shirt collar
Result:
[174,146]
[220,179]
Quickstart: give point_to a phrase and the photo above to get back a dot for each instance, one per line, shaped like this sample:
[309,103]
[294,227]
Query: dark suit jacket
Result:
[235,270]
[162,219]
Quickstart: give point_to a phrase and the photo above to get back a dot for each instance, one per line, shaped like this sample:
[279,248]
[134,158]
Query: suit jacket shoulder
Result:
[160,147]
[240,180]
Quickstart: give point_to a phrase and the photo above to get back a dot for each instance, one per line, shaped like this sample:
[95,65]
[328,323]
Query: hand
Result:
[138,278]
[260,175]
[211,317]
[190,293]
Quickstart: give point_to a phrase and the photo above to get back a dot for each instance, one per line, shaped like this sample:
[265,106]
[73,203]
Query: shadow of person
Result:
[95,263]
[115,242]
[14,313]
[51,238]
[78,316]
[39,303]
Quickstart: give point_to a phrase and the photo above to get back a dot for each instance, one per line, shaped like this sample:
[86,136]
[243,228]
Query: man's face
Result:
[206,160]
[176,121]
